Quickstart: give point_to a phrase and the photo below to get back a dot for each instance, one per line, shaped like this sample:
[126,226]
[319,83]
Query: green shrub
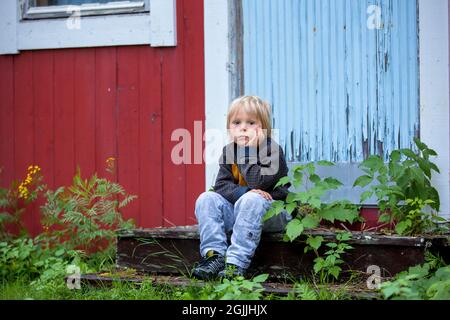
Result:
[18,259]
[309,211]
[403,189]
[329,264]
[306,206]
[429,281]
[26,258]
[85,215]
[239,288]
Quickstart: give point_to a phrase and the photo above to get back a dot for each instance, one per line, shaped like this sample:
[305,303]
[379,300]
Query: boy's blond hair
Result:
[253,105]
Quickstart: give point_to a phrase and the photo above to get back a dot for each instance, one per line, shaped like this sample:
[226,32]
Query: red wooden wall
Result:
[69,107]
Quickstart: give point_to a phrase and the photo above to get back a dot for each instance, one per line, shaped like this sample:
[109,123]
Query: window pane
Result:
[41,3]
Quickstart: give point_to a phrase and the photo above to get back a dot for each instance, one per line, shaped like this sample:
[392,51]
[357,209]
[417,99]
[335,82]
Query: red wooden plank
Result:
[150,124]
[105,104]
[85,110]
[43,113]
[194,102]
[23,121]
[6,120]
[174,108]
[64,117]
[43,122]
[128,126]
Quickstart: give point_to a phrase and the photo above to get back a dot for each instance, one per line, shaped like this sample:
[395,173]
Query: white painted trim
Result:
[157,28]
[434,90]
[216,83]
[8,27]
[96,31]
[163,23]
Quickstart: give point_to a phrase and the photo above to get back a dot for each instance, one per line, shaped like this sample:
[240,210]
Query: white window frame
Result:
[31,11]
[156,28]
[434,85]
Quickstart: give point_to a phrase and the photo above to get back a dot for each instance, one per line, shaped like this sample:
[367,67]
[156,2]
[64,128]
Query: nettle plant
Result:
[240,288]
[309,211]
[430,281]
[403,189]
[328,264]
[309,208]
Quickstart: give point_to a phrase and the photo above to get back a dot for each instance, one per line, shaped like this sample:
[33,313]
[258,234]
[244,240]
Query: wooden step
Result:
[173,251]
[351,291]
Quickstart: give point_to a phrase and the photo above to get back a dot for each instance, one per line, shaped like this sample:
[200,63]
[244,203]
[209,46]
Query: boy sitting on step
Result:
[250,166]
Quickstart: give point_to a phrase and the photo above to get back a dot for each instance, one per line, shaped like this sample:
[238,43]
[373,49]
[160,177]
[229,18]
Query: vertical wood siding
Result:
[340,91]
[76,107]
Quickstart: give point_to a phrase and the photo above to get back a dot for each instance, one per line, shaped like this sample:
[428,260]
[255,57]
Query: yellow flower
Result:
[23,192]
[33,169]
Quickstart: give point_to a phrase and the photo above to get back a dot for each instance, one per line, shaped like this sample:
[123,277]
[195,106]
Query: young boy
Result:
[250,166]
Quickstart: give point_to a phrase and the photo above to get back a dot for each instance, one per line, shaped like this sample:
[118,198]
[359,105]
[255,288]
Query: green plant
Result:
[52,273]
[85,215]
[56,265]
[417,220]
[309,291]
[239,288]
[18,259]
[310,212]
[429,281]
[328,264]
[302,291]
[309,209]
[30,259]
[15,199]
[403,189]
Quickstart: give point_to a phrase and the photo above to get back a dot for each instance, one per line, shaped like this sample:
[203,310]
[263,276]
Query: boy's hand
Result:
[257,138]
[266,195]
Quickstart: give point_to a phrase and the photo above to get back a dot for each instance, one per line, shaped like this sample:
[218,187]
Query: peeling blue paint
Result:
[340,91]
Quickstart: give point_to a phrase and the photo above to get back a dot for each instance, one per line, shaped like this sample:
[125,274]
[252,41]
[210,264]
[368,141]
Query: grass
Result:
[22,289]
[40,275]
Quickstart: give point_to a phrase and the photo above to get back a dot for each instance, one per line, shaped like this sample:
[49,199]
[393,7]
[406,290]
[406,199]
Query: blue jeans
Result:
[217,216]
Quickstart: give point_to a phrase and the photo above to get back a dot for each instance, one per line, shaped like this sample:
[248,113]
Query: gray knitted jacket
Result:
[262,167]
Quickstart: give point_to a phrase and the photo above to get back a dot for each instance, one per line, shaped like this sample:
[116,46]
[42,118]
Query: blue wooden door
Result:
[342,75]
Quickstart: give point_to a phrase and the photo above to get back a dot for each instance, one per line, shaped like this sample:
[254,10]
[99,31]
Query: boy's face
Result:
[243,127]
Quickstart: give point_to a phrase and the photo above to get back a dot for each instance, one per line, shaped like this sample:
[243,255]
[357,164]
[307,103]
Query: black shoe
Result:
[232,271]
[209,267]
